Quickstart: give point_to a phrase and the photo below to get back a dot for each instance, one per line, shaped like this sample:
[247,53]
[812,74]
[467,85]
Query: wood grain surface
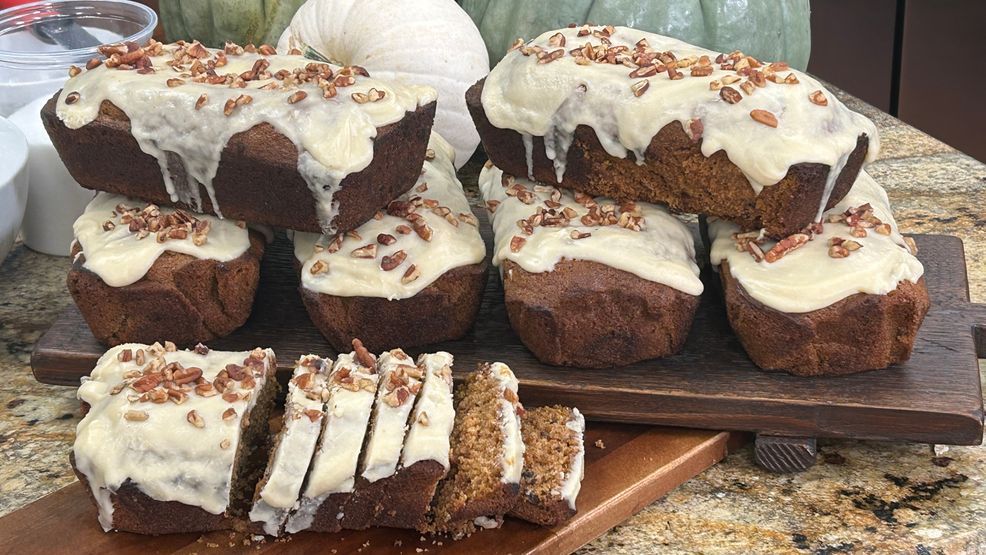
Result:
[935,397]
[638,465]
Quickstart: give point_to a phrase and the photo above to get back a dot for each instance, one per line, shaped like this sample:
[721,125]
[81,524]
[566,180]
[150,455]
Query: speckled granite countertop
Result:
[861,496]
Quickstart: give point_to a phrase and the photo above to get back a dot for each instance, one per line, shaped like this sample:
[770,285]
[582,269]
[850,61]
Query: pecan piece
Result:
[388,263]
[784,246]
[730,94]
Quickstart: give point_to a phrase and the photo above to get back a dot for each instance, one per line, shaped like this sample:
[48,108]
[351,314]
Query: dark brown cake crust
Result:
[443,311]
[327,516]
[398,501]
[134,511]
[860,332]
[551,514]
[590,315]
[257,180]
[676,174]
[181,298]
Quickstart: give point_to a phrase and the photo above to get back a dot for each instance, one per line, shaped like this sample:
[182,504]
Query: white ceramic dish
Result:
[54,199]
[13,184]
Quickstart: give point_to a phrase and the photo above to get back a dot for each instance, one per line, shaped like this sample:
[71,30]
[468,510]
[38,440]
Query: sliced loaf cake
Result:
[487,454]
[554,463]
[352,389]
[170,440]
[304,410]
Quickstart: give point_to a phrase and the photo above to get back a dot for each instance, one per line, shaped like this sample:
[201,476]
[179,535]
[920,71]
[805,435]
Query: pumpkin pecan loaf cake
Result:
[400,382]
[169,443]
[424,460]
[846,295]
[278,491]
[410,276]
[352,390]
[554,464]
[487,453]
[213,131]
[143,271]
[631,115]
[589,282]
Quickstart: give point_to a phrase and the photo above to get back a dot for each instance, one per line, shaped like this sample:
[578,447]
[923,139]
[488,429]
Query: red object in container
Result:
[4,4]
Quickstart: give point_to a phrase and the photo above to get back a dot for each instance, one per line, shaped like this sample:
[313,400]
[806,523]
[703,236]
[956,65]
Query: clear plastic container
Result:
[41,40]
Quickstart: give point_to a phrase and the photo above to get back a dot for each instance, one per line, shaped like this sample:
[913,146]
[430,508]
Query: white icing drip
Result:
[338,133]
[165,456]
[433,416]
[383,449]
[513,443]
[830,181]
[120,259]
[295,448]
[808,279]
[550,100]
[333,469]
[450,246]
[662,252]
[529,154]
[572,483]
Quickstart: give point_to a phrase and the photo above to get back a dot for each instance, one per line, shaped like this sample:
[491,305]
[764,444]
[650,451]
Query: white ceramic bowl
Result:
[13,184]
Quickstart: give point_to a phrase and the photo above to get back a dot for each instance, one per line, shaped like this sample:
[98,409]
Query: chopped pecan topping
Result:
[366,251]
[784,246]
[764,117]
[195,419]
[135,415]
[363,357]
[388,263]
[818,97]
[411,274]
[730,94]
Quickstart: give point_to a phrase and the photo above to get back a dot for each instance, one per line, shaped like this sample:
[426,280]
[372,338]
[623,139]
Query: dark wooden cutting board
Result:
[935,397]
[638,465]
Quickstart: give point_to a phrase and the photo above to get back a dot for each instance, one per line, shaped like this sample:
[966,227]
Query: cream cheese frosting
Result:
[182,452]
[121,257]
[400,381]
[644,240]
[174,110]
[303,417]
[807,278]
[512,462]
[434,414]
[572,483]
[549,98]
[451,240]
[352,389]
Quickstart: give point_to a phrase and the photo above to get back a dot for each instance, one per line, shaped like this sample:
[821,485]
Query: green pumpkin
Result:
[213,22]
[774,30]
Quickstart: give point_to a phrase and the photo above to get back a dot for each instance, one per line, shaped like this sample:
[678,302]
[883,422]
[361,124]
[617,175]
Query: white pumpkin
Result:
[429,42]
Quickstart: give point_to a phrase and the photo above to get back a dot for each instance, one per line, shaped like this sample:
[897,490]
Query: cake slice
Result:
[141,271]
[170,441]
[397,486]
[425,458]
[352,389]
[400,381]
[554,464]
[487,453]
[304,410]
